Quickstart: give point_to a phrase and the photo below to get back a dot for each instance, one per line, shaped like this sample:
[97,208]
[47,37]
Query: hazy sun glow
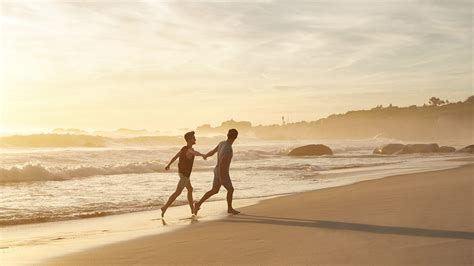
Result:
[174,64]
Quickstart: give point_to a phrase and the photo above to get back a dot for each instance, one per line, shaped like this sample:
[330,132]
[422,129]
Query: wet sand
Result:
[424,218]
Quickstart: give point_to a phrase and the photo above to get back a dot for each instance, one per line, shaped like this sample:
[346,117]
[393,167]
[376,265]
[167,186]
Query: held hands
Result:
[204,157]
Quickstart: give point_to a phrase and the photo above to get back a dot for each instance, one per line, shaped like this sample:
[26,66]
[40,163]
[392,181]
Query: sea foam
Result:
[37,172]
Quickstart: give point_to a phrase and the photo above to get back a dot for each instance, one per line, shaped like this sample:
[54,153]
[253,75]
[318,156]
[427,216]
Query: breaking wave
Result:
[31,172]
[95,210]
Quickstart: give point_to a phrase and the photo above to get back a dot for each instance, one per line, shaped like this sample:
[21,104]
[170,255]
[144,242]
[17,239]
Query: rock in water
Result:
[412,148]
[420,148]
[389,149]
[311,150]
[468,149]
[446,149]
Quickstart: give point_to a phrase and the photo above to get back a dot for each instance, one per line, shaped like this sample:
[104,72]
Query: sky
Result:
[166,65]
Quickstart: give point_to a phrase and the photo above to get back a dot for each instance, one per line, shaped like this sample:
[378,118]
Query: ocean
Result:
[52,184]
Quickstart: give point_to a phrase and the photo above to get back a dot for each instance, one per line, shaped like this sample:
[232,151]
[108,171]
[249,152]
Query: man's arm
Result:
[172,160]
[191,151]
[212,152]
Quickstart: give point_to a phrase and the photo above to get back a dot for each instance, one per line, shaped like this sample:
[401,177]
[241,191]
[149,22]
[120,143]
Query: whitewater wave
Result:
[31,172]
[349,166]
[290,167]
[79,213]
[309,167]
[361,156]
[47,217]
[250,155]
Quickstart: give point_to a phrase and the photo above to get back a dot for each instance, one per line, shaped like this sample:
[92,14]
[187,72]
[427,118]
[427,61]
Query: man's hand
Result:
[204,157]
[167,168]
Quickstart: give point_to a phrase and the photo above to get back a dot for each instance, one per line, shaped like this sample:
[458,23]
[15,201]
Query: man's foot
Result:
[233,211]
[163,210]
[196,208]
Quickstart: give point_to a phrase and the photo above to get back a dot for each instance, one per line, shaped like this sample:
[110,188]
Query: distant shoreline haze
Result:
[438,121]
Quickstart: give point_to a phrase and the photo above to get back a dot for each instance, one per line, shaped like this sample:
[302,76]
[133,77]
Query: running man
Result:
[221,172]
[185,166]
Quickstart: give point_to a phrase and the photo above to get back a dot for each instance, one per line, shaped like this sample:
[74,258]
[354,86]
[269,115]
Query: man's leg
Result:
[189,187]
[214,190]
[230,195]
[173,197]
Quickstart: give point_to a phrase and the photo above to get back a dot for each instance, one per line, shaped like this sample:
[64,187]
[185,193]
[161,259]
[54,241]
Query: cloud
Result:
[219,48]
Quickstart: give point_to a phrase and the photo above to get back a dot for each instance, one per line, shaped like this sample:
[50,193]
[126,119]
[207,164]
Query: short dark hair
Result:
[233,133]
[188,135]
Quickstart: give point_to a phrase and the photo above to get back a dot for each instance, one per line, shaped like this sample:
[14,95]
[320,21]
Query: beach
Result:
[422,218]
[327,132]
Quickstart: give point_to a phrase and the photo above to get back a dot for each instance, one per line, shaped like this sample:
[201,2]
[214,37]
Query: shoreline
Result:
[394,229]
[41,240]
[109,237]
[327,178]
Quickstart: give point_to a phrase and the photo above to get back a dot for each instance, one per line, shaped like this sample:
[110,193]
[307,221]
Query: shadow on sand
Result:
[369,228]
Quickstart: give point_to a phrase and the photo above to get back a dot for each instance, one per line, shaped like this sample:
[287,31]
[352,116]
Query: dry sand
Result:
[424,218]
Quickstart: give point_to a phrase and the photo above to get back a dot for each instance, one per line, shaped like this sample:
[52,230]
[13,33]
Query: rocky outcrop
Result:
[419,148]
[390,149]
[311,150]
[468,149]
[446,149]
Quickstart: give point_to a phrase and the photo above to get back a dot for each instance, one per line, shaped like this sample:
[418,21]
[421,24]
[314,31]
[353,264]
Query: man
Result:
[185,166]
[221,172]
